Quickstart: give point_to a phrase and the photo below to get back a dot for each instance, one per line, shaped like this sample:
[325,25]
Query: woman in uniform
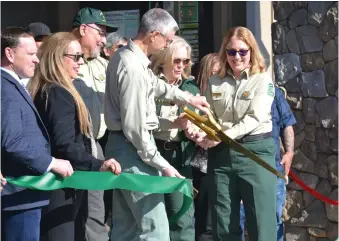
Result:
[241,95]
[173,65]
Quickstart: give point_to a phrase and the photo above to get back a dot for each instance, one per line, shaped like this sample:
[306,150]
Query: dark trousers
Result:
[203,222]
[234,177]
[281,196]
[21,225]
[183,229]
[108,194]
[65,216]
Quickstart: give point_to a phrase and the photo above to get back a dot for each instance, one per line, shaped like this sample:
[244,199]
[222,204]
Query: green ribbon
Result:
[106,180]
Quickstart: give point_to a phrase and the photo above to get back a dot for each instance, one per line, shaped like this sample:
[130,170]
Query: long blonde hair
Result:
[166,56]
[257,61]
[205,72]
[51,70]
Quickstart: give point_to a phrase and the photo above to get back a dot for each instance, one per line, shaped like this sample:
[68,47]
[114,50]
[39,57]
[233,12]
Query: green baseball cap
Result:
[91,15]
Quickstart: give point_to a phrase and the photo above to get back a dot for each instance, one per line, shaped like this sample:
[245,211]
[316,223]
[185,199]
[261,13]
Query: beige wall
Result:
[259,21]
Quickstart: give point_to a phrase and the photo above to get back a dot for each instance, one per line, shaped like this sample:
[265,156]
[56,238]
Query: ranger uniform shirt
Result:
[131,88]
[167,113]
[243,106]
[91,84]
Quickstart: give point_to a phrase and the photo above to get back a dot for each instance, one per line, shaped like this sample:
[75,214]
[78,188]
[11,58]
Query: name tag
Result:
[216,94]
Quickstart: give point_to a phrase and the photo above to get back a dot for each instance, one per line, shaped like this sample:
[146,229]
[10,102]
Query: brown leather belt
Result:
[257,137]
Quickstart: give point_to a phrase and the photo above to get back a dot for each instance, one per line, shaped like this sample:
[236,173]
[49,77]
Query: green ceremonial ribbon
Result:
[106,180]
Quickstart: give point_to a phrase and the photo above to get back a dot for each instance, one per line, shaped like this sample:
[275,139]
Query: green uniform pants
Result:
[234,177]
[183,229]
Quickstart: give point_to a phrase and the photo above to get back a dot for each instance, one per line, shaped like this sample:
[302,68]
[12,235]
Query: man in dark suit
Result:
[25,146]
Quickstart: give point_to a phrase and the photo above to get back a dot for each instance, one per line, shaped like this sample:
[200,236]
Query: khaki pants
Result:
[234,177]
[95,223]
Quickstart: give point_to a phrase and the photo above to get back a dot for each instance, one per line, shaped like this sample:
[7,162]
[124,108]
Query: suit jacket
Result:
[25,146]
[58,112]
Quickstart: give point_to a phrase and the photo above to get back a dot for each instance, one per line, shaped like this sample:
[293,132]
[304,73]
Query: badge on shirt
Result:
[270,90]
[102,77]
[245,94]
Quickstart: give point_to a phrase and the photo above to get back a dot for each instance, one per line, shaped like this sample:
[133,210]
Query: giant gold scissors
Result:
[214,132]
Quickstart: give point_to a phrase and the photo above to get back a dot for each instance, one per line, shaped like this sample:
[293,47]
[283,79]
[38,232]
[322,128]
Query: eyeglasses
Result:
[75,57]
[184,61]
[168,41]
[101,33]
[233,52]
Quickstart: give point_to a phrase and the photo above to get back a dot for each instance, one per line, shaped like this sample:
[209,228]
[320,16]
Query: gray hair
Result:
[113,39]
[157,19]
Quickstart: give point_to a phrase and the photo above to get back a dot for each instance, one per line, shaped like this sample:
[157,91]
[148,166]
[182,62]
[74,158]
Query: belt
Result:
[257,137]
[168,145]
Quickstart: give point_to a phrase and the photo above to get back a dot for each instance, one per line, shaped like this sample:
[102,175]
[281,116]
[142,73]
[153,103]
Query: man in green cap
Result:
[90,26]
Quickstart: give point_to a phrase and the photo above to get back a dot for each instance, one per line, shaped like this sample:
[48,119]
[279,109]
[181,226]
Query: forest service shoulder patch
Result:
[270,90]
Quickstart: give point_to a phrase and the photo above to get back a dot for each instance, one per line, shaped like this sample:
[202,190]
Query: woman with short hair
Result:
[241,95]
[70,131]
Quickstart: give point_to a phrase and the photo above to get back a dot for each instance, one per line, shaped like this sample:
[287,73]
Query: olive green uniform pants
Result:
[183,229]
[233,177]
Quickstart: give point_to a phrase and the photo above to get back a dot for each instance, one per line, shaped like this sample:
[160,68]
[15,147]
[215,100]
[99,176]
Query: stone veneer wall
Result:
[305,47]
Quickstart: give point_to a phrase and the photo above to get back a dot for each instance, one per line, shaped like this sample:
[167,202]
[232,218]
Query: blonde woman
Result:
[241,95]
[69,127]
[173,65]
[209,65]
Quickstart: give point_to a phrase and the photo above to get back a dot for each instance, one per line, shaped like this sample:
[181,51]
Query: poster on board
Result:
[127,21]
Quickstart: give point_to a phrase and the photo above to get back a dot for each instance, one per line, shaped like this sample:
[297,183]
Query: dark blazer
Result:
[25,146]
[68,207]
[60,116]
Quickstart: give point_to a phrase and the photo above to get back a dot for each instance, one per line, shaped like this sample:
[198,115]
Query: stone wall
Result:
[305,47]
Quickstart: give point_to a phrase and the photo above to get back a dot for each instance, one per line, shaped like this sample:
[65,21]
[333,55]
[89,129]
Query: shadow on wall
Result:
[254,16]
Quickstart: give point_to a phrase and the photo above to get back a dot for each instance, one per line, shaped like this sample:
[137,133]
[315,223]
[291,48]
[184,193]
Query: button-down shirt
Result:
[167,113]
[131,88]
[282,117]
[242,106]
[91,83]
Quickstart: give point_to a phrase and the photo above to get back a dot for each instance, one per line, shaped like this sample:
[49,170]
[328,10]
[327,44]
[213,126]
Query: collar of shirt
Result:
[244,72]
[177,82]
[13,74]
[139,53]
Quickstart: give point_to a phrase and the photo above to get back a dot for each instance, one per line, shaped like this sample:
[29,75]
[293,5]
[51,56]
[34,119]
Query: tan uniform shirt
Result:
[131,88]
[168,113]
[91,83]
[242,106]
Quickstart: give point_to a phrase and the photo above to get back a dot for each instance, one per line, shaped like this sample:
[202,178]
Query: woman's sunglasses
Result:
[233,52]
[75,57]
[184,61]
